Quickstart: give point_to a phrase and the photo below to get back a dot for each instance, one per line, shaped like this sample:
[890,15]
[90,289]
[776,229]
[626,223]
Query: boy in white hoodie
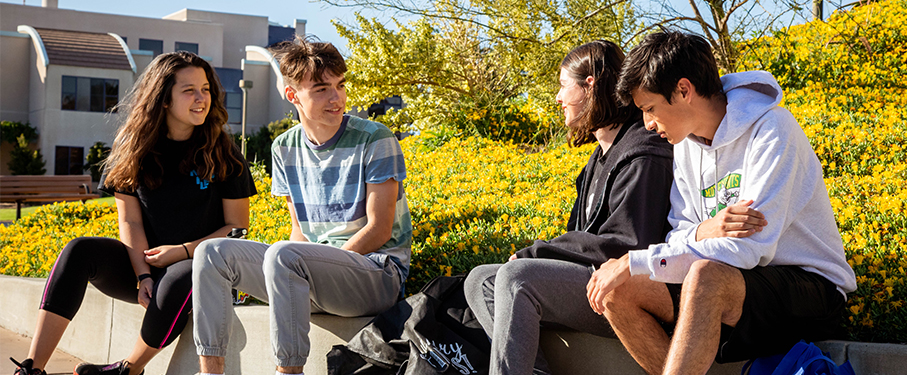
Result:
[734,286]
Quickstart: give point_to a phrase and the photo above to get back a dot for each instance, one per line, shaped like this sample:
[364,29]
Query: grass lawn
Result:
[9,214]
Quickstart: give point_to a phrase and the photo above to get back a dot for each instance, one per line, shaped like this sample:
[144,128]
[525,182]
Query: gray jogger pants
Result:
[296,279]
[513,300]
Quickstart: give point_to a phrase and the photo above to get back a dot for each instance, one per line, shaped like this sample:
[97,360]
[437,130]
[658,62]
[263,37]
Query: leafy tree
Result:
[278,127]
[724,23]
[11,130]
[24,161]
[462,56]
[97,153]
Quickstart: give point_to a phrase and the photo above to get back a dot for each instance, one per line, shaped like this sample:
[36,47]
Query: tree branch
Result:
[429,83]
[440,15]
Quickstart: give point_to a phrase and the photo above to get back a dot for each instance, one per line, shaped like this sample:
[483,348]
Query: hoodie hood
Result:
[750,95]
[641,142]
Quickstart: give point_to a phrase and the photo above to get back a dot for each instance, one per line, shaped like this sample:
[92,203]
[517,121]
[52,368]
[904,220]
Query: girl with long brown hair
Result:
[177,179]
[622,203]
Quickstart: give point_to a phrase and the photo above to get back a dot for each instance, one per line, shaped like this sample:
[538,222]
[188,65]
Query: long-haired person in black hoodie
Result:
[622,203]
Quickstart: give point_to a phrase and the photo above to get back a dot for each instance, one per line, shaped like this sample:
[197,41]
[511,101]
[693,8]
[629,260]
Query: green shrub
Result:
[11,130]
[24,161]
[97,153]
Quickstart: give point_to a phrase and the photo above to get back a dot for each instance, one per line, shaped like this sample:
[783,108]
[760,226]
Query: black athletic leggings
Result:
[105,263]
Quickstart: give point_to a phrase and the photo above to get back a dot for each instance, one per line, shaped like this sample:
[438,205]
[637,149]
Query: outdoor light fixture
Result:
[245,85]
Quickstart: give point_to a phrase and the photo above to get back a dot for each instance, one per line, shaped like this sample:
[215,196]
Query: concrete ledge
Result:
[571,352]
[105,330]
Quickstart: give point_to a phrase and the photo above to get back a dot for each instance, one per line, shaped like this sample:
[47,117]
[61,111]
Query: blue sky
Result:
[318,15]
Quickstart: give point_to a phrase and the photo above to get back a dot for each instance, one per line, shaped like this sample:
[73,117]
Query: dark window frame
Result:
[180,46]
[233,109]
[103,94]
[157,50]
[69,160]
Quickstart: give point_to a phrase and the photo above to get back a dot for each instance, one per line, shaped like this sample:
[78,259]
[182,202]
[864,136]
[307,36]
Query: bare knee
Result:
[714,285]
[628,295]
[710,277]
[639,294]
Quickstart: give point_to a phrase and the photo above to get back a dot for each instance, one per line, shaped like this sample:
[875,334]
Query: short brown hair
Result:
[662,59]
[307,55]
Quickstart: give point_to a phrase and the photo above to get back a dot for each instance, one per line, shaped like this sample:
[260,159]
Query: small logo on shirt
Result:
[664,263]
[202,184]
[723,194]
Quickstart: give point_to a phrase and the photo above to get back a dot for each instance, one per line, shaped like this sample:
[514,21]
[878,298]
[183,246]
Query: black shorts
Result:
[783,305]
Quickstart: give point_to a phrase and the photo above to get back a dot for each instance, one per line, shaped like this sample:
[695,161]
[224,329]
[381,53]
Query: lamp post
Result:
[245,85]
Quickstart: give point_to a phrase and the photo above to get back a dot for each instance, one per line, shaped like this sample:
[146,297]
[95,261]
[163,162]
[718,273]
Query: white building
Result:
[61,70]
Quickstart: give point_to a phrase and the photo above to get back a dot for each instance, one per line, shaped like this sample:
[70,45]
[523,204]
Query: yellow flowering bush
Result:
[520,120]
[29,246]
[845,83]
[475,201]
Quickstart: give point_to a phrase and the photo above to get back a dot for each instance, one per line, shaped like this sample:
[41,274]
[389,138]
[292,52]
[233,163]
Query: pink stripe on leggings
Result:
[175,319]
[47,284]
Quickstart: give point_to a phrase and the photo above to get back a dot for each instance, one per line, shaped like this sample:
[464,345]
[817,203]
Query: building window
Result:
[233,102]
[229,80]
[89,94]
[153,45]
[68,160]
[188,47]
[277,34]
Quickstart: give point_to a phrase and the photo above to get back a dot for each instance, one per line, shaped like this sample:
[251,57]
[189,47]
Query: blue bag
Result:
[802,359]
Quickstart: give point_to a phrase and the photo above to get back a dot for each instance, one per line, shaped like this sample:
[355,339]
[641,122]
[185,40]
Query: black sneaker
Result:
[116,368]
[24,368]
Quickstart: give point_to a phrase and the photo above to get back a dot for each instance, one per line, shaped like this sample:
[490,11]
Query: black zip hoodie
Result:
[633,208]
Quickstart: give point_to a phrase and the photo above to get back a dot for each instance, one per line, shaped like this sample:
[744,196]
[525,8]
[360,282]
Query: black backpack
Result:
[431,332]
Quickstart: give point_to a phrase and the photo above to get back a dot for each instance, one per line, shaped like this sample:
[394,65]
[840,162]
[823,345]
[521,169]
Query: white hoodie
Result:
[760,153]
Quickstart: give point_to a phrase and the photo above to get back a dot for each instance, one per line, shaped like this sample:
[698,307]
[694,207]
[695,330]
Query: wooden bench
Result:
[45,189]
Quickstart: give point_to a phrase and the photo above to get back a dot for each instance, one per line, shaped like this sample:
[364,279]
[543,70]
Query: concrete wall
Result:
[14,84]
[238,31]
[57,127]
[142,60]
[209,36]
[14,74]
[267,92]
[112,328]
[299,25]
[259,73]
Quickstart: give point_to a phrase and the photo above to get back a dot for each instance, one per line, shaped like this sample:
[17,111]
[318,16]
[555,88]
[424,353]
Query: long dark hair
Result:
[133,158]
[601,60]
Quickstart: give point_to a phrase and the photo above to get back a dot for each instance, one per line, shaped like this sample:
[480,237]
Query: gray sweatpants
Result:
[513,300]
[295,278]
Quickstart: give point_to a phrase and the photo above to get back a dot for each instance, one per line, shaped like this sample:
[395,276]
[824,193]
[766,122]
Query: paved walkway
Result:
[16,346]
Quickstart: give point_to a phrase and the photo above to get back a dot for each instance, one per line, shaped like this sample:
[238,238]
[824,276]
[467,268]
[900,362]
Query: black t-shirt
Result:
[185,207]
